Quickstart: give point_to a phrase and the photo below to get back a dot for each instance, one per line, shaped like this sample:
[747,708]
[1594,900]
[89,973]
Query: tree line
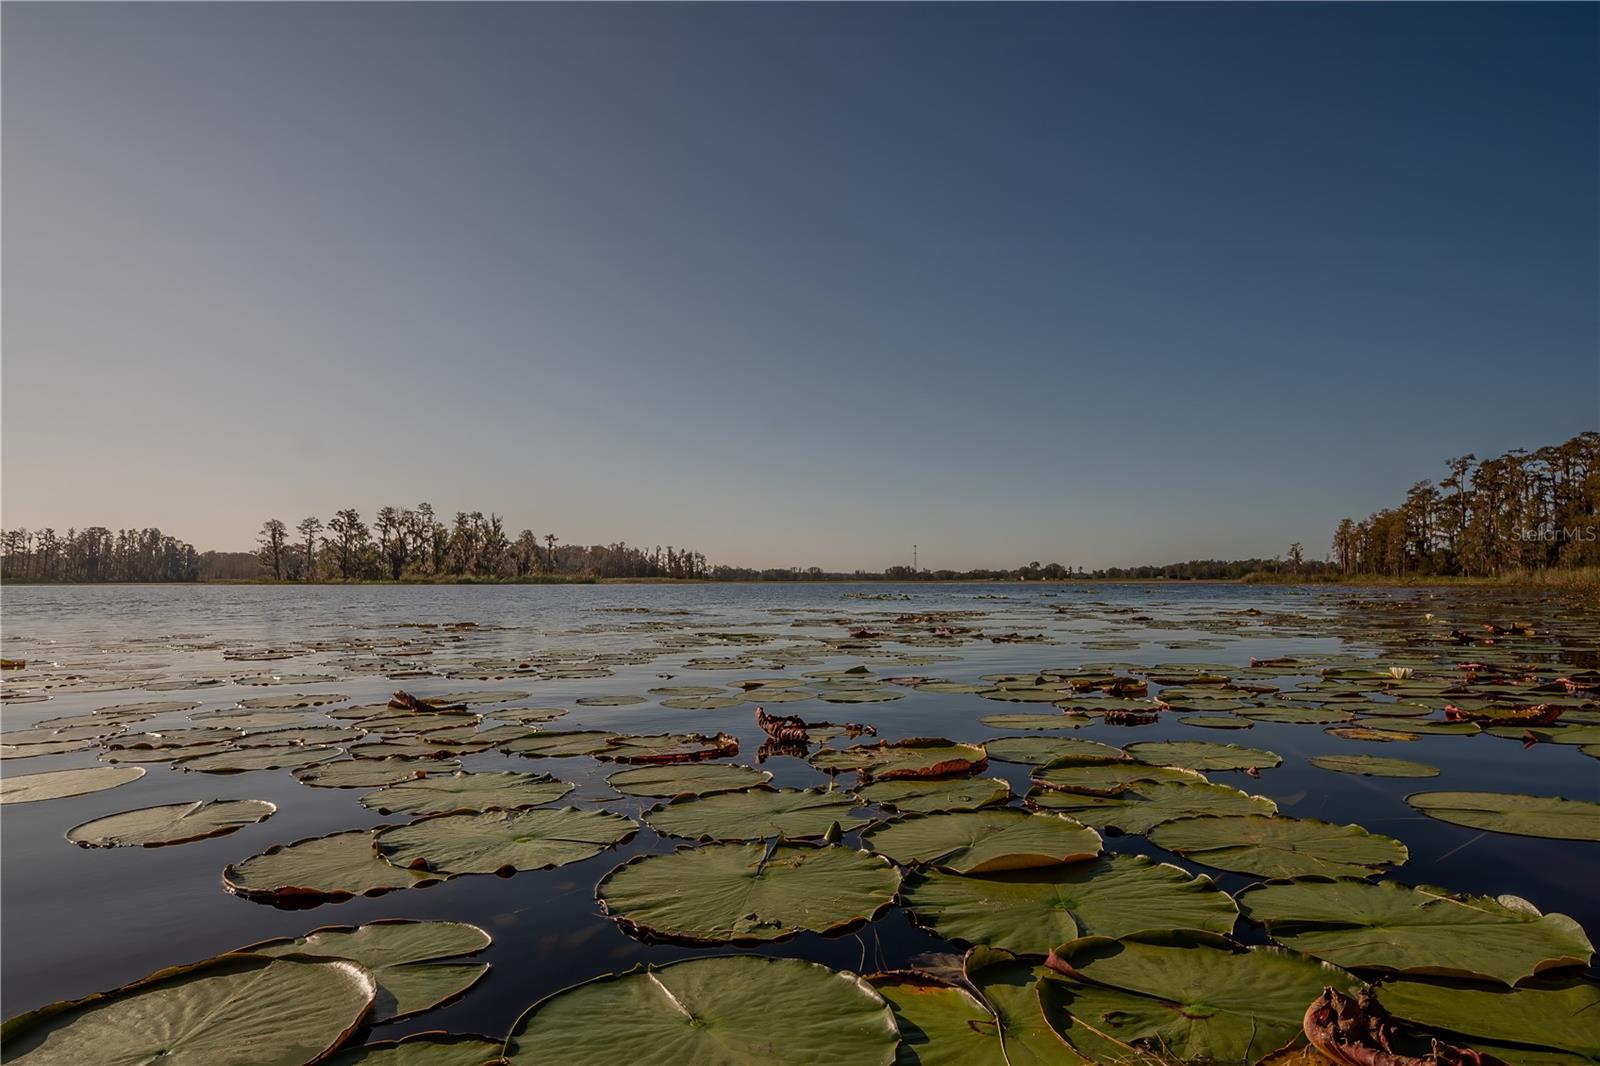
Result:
[1519,511]
[413,544]
[96,553]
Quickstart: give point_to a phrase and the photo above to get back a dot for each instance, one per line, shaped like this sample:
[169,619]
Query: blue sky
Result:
[793,284]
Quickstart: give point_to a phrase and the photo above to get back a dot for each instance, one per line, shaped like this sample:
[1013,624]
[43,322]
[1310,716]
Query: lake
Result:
[79,920]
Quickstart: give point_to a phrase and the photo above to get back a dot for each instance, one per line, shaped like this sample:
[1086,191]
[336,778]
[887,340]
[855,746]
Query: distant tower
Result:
[913,558]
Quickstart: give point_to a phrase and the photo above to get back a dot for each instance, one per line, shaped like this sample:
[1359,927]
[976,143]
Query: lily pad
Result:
[747,892]
[1008,986]
[1035,721]
[331,867]
[1191,995]
[1509,812]
[915,758]
[1107,777]
[285,1011]
[1030,911]
[59,784]
[941,1024]
[502,841]
[619,700]
[984,841]
[30,751]
[170,823]
[1146,804]
[417,964]
[736,1010]
[1203,755]
[422,1049]
[1374,766]
[668,748]
[459,792]
[243,760]
[1563,1015]
[369,773]
[687,779]
[1429,726]
[1038,750]
[1388,926]
[1217,721]
[756,814]
[559,744]
[937,795]
[1295,715]
[1275,846]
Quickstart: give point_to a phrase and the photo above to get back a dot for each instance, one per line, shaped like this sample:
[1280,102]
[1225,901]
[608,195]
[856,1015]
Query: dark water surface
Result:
[77,921]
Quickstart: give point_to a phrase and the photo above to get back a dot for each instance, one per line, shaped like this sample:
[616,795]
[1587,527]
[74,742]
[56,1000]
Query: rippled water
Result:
[77,921]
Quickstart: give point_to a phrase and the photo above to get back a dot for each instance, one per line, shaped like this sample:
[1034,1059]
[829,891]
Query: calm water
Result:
[77,921]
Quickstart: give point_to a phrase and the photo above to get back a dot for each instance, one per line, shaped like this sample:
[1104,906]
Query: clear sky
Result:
[793,284]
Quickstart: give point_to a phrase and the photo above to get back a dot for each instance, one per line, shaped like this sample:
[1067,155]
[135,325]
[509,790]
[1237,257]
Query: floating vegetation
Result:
[914,758]
[1274,846]
[984,841]
[171,823]
[501,842]
[1373,766]
[456,793]
[1506,812]
[686,779]
[59,784]
[757,814]
[333,867]
[928,796]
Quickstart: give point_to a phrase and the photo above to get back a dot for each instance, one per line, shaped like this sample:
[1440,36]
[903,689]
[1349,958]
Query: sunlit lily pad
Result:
[737,1010]
[417,964]
[937,795]
[284,1011]
[31,751]
[915,758]
[171,823]
[1388,926]
[747,892]
[243,760]
[1008,987]
[686,779]
[1425,726]
[336,866]
[1146,804]
[502,841]
[1194,996]
[369,773]
[1274,846]
[1374,766]
[59,784]
[1563,1015]
[1203,755]
[984,841]
[1514,813]
[1030,911]
[455,793]
[668,748]
[618,700]
[756,814]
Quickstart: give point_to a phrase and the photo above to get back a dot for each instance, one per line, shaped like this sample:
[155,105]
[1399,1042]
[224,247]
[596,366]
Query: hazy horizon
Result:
[789,284]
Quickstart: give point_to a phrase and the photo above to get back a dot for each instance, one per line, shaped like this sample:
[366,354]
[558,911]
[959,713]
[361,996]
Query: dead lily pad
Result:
[720,893]
[170,823]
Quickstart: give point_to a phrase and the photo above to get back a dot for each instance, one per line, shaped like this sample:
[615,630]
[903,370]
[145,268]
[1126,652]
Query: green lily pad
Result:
[747,892]
[668,748]
[1038,750]
[914,758]
[1146,804]
[1194,996]
[984,841]
[1510,812]
[170,823]
[621,700]
[1035,721]
[559,744]
[461,792]
[941,1024]
[1275,846]
[756,814]
[701,703]
[1428,726]
[501,841]
[1217,721]
[1203,755]
[59,784]
[1030,911]
[417,964]
[1388,926]
[524,716]
[285,1011]
[1564,1015]
[734,1010]
[1008,987]
[331,867]
[422,1049]
[244,760]
[687,779]
[937,795]
[1107,777]
[370,773]
[1295,715]
[1374,766]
